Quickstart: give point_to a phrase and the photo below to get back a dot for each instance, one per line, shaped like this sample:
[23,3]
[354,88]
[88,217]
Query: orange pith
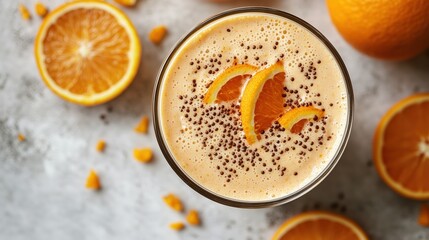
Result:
[262,101]
[227,86]
[401,147]
[319,225]
[295,119]
[87,51]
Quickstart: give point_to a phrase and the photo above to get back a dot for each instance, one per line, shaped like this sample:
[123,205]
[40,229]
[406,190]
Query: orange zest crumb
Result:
[92,181]
[193,217]
[143,155]
[177,226]
[25,14]
[21,137]
[143,125]
[157,34]
[40,9]
[173,202]
[424,215]
[101,145]
[127,3]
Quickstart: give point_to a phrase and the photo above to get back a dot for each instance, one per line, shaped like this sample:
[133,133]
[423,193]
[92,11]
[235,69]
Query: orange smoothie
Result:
[229,71]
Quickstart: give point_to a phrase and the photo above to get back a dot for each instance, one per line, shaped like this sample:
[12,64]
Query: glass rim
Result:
[232,201]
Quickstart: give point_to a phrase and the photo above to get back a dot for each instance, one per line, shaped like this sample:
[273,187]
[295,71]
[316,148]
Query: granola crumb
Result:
[92,181]
[142,126]
[40,9]
[193,217]
[173,202]
[21,137]
[25,14]
[143,155]
[157,34]
[424,215]
[101,145]
[177,226]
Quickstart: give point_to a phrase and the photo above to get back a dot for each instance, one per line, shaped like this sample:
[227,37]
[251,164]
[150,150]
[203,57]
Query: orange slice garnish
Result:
[295,119]
[227,86]
[87,52]
[319,225]
[401,147]
[262,101]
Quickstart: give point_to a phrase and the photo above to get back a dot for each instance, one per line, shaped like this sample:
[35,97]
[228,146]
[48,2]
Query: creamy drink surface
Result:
[207,140]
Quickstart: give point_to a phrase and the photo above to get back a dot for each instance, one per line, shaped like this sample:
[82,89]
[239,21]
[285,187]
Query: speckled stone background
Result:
[42,194]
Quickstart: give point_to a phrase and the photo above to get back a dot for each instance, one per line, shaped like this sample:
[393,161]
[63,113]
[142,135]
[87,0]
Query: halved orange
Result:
[227,86]
[262,101]
[87,52]
[295,119]
[401,147]
[319,225]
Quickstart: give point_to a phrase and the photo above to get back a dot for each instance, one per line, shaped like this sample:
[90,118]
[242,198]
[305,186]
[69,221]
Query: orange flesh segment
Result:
[269,105]
[84,58]
[297,127]
[294,120]
[177,226]
[320,229]
[142,126]
[40,9]
[173,202]
[157,34]
[405,149]
[92,181]
[193,217]
[232,89]
[25,14]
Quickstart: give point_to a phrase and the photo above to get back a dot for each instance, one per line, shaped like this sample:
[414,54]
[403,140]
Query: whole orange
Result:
[385,29]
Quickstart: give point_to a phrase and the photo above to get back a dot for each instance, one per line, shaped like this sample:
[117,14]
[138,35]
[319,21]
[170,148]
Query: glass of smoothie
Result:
[253,108]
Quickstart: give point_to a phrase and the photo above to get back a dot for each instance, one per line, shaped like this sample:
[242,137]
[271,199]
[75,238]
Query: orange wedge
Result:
[87,52]
[227,86]
[319,225]
[401,147]
[262,101]
[295,119]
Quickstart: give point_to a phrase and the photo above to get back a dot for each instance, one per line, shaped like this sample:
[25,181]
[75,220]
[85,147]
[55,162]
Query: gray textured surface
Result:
[42,194]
